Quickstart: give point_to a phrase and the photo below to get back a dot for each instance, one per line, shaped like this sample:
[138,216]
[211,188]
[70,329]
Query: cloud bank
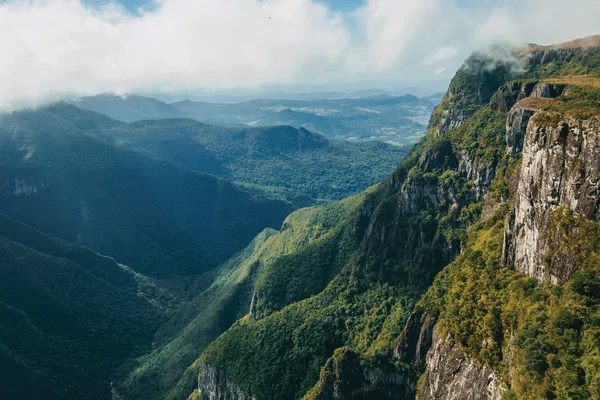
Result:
[50,49]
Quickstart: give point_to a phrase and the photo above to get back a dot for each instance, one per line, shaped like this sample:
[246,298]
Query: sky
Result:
[52,49]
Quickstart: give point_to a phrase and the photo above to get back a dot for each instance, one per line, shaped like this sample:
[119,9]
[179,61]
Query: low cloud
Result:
[53,49]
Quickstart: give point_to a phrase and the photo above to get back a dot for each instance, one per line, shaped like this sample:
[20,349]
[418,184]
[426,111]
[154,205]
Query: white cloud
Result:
[50,49]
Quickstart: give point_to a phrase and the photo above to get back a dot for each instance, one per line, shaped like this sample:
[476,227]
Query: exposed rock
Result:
[255,311]
[213,386]
[516,125]
[560,167]
[452,374]
[452,118]
[548,55]
[415,341]
[20,187]
[438,156]
[480,173]
[547,90]
[508,95]
[345,377]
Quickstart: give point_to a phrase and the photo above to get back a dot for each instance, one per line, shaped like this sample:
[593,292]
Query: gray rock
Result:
[212,385]
[560,168]
[516,125]
[452,375]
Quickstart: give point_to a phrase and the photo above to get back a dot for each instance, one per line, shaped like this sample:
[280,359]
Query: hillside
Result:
[395,119]
[275,157]
[156,217]
[311,122]
[471,272]
[127,108]
[169,370]
[69,317]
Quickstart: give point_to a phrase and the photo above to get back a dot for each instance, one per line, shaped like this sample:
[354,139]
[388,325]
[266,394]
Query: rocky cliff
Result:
[453,374]
[560,168]
[211,385]
[502,189]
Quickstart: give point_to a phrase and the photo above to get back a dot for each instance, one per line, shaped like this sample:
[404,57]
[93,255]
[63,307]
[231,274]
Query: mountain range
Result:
[398,120]
[111,232]
[470,272]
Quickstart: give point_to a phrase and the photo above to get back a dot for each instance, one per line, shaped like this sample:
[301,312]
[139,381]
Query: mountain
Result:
[280,156]
[394,119]
[166,372]
[127,108]
[68,316]
[471,272]
[160,219]
[312,122]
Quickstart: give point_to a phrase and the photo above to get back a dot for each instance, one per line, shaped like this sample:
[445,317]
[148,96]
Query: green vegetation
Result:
[349,293]
[68,316]
[160,219]
[346,289]
[550,333]
[328,295]
[580,100]
[483,136]
[169,370]
[281,355]
[279,156]
[582,62]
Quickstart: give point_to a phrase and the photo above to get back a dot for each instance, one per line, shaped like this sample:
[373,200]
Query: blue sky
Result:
[337,5]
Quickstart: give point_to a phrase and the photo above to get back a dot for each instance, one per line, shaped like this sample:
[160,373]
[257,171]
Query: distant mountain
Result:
[312,122]
[395,119]
[307,95]
[371,115]
[278,156]
[158,218]
[127,108]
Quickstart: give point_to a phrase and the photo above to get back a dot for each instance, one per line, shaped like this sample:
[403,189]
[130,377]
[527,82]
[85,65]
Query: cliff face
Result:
[560,168]
[452,375]
[212,386]
[508,158]
[345,376]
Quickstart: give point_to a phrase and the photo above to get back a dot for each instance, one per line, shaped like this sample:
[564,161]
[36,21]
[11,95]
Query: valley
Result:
[281,249]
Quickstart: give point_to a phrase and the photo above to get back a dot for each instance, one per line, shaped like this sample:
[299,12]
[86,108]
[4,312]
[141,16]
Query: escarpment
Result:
[453,374]
[560,167]
[433,285]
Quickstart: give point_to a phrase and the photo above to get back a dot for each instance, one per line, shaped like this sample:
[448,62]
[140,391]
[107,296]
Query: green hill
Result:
[127,108]
[315,123]
[276,156]
[156,217]
[69,317]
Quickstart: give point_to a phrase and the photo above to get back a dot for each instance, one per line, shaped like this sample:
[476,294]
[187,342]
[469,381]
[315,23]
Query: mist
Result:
[50,50]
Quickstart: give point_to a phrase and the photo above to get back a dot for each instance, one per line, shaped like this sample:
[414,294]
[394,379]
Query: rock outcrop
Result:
[452,375]
[516,125]
[213,386]
[345,377]
[508,95]
[560,168]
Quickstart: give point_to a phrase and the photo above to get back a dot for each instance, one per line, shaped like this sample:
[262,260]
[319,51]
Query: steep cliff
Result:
[560,169]
[498,334]
[453,374]
[508,167]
